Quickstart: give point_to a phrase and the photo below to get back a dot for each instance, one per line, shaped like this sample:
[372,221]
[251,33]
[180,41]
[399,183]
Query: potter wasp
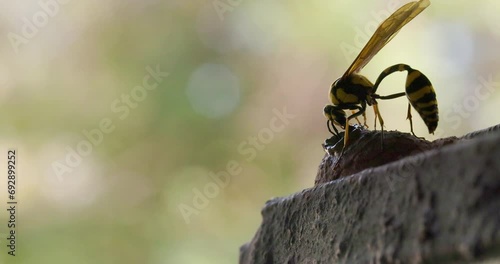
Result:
[353,91]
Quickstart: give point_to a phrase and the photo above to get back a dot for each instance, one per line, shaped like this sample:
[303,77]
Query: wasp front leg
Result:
[361,110]
[330,125]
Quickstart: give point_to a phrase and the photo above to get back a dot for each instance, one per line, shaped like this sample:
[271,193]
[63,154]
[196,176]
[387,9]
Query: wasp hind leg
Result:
[381,121]
[391,96]
[409,117]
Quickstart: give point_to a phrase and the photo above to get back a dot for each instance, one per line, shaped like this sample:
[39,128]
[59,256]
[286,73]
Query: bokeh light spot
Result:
[213,90]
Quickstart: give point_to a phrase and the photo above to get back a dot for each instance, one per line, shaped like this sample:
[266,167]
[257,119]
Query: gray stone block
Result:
[440,205]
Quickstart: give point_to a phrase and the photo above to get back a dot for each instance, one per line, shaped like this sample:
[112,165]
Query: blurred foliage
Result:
[229,67]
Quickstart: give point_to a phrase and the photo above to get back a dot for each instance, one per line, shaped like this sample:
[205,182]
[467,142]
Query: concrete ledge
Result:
[438,206]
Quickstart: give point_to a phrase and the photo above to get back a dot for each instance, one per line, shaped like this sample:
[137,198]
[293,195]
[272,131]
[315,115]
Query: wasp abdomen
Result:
[422,97]
[419,92]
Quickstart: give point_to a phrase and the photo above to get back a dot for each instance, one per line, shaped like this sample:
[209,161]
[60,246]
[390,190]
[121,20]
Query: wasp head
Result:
[335,114]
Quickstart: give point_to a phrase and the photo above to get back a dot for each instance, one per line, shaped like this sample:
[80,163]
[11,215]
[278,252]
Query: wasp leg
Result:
[408,116]
[328,126]
[386,97]
[392,96]
[357,119]
[377,115]
[361,109]
[381,121]
[364,120]
[330,123]
[346,135]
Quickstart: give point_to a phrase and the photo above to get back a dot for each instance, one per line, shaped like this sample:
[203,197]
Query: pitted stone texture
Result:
[439,206]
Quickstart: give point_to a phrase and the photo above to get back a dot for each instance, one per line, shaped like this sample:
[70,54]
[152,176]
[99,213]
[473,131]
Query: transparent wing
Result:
[385,32]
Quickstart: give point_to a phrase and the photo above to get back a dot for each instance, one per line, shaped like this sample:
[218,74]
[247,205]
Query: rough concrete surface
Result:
[441,205]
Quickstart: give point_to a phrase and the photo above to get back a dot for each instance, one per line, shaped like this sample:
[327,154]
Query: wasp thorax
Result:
[351,90]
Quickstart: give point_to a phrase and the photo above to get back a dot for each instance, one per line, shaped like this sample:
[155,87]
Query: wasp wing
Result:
[385,32]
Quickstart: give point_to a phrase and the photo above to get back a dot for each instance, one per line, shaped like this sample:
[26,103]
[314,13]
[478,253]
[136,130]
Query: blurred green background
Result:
[139,188]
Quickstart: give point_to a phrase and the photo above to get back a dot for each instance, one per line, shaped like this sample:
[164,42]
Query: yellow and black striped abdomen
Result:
[422,97]
[419,92]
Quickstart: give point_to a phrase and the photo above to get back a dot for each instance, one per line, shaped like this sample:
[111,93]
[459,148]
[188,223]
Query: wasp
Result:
[353,91]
